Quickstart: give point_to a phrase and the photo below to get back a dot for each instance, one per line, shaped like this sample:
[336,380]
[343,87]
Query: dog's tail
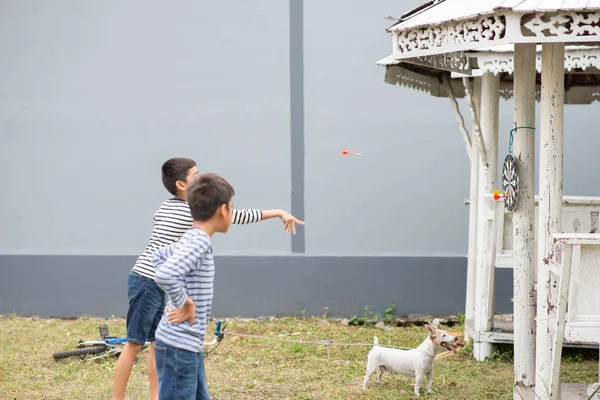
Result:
[376,341]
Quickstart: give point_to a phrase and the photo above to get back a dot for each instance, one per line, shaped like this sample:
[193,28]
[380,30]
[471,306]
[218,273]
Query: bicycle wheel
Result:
[79,352]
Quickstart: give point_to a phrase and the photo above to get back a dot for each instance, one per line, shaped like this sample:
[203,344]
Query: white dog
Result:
[415,362]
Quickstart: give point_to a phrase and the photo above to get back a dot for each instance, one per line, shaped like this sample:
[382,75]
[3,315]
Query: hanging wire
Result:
[512,136]
[320,342]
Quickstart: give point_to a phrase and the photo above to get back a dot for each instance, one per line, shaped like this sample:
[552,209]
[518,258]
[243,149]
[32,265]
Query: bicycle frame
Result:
[115,345]
[218,335]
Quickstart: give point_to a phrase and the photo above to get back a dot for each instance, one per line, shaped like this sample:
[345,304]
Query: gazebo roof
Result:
[443,26]
[436,12]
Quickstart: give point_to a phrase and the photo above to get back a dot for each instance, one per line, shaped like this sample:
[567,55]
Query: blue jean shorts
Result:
[146,306]
[181,374]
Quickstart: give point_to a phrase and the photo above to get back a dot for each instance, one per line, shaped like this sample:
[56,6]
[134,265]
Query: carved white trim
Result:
[396,75]
[582,59]
[506,92]
[410,83]
[503,62]
[455,62]
[496,63]
[485,30]
[502,27]
[562,24]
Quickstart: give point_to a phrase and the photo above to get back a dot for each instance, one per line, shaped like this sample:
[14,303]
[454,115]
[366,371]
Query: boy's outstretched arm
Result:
[249,216]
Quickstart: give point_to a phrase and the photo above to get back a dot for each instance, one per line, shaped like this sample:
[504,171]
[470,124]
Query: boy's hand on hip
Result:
[289,222]
[186,312]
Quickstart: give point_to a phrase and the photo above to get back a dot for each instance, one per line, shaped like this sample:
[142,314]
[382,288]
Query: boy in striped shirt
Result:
[185,271]
[146,299]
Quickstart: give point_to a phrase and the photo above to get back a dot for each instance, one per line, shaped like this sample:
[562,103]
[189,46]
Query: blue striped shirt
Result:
[170,222]
[183,269]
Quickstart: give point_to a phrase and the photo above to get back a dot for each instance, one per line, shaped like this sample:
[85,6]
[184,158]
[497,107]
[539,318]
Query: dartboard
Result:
[510,182]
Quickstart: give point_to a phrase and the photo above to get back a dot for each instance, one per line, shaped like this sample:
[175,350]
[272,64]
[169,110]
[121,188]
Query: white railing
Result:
[579,217]
[577,304]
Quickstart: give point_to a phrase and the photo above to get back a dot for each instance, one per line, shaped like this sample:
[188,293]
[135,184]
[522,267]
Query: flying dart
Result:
[351,153]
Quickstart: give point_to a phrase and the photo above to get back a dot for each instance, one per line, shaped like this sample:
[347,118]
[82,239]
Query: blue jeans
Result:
[181,374]
[146,306]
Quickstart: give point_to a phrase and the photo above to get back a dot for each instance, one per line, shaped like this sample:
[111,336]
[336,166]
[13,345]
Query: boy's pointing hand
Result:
[289,222]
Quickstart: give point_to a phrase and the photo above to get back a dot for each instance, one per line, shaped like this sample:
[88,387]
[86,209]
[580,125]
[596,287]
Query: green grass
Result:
[243,368]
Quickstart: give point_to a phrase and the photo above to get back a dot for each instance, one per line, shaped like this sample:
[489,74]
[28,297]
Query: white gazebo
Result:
[580,214]
[443,41]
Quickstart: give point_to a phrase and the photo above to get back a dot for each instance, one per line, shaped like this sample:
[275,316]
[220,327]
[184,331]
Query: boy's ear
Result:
[180,185]
[224,209]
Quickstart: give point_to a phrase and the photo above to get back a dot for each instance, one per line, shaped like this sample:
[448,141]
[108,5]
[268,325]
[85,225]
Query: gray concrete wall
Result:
[94,97]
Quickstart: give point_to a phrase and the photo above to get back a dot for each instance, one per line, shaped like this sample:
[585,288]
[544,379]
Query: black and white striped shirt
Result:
[170,222]
[186,269]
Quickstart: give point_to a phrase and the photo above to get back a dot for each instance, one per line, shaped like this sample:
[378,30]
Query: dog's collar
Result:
[428,355]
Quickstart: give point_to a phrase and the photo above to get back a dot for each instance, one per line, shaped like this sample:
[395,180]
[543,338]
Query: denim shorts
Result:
[181,374]
[146,306]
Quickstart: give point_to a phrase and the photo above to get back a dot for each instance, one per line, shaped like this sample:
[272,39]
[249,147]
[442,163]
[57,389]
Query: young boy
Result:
[146,299]
[185,271]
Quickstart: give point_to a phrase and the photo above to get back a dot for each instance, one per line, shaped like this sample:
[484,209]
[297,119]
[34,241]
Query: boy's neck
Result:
[181,196]
[207,227]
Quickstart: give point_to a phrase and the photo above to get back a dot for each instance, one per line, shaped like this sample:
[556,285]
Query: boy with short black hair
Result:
[146,299]
[174,170]
[185,271]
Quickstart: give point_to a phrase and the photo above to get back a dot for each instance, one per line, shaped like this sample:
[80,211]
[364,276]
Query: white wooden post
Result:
[523,217]
[550,206]
[484,311]
[473,209]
